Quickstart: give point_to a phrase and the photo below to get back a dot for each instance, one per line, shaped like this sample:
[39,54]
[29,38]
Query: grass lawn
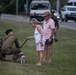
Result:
[64,52]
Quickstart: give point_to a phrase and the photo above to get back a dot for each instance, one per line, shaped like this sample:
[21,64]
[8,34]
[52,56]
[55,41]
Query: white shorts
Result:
[39,47]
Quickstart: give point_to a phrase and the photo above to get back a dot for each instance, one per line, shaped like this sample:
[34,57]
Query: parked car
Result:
[37,9]
[68,13]
[72,2]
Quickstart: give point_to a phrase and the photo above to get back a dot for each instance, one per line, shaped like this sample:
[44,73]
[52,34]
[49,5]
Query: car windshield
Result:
[37,6]
[71,9]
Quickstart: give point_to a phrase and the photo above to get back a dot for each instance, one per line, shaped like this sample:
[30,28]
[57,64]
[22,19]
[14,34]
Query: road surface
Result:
[69,24]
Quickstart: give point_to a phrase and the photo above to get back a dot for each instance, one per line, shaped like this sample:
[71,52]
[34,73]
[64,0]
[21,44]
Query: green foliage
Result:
[64,52]
[9,6]
[62,3]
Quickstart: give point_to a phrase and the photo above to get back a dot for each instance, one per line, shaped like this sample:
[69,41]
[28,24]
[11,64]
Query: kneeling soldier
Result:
[7,43]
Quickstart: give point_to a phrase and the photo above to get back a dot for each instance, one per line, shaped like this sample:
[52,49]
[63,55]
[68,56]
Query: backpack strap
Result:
[1,42]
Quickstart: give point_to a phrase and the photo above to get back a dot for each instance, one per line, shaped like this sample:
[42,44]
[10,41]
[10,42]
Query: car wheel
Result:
[75,20]
[66,19]
[62,20]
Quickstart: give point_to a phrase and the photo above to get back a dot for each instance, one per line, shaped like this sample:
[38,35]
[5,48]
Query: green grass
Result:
[64,52]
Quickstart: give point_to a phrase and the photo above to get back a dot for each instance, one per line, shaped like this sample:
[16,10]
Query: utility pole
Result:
[58,5]
[26,6]
[16,7]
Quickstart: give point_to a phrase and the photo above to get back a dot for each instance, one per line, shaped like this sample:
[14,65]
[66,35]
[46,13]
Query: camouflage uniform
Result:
[0,11]
[7,49]
[56,26]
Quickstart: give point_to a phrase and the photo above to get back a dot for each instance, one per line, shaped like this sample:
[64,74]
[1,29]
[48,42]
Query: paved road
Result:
[69,24]
[15,18]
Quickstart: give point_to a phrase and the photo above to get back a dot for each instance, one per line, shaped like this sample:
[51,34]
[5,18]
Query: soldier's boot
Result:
[19,57]
[1,57]
[15,57]
[4,56]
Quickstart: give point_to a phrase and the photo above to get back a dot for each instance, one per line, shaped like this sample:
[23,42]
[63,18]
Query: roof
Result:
[71,1]
[41,1]
[69,6]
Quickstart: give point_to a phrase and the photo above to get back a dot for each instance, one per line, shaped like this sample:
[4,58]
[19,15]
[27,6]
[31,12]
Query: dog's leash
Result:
[24,42]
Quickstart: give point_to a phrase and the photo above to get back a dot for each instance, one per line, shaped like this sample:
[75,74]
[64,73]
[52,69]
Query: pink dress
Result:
[39,47]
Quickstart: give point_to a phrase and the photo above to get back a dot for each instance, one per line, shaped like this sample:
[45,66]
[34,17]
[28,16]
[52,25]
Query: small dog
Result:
[21,58]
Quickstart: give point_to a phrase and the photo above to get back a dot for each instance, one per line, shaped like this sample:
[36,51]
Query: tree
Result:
[9,6]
